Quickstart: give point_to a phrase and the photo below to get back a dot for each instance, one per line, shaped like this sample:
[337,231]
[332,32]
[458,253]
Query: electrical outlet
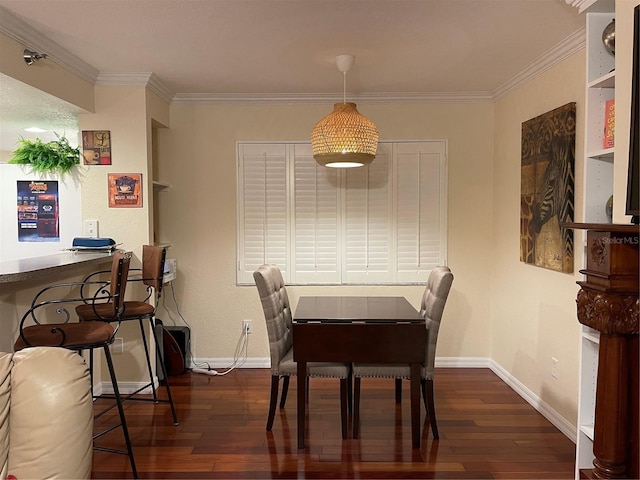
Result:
[91,228]
[246,326]
[118,345]
[554,367]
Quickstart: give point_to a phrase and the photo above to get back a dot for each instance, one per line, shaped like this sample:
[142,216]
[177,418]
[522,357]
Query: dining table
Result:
[371,329]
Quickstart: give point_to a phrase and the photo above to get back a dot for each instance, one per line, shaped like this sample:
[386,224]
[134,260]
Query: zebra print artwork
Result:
[547,189]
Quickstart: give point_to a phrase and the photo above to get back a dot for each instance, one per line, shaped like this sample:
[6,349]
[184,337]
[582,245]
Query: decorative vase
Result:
[609,209]
[609,37]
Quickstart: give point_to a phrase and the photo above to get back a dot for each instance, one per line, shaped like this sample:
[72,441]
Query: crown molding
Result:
[570,45]
[594,6]
[261,99]
[23,33]
[159,88]
[140,79]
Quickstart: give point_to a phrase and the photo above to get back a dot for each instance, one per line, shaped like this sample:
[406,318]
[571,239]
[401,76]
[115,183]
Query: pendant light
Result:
[344,138]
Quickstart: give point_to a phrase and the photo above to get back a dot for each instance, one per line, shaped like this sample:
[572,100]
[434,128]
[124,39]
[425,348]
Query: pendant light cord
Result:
[344,87]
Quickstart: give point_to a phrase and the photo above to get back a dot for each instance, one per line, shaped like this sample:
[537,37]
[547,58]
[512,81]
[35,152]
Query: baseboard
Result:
[225,363]
[528,396]
[106,388]
[543,408]
[462,362]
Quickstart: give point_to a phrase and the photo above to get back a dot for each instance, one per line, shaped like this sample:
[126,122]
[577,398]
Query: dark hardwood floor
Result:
[486,431]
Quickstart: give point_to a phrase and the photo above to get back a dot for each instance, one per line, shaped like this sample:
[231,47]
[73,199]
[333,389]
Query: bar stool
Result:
[80,336]
[153,258]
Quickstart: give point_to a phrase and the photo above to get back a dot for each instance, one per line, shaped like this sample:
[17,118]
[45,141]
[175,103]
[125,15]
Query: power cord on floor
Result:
[239,358]
[240,354]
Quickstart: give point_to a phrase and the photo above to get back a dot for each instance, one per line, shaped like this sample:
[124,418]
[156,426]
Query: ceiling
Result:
[279,48]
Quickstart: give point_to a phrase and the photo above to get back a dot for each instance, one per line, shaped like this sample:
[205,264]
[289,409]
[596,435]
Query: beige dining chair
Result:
[277,314]
[431,307]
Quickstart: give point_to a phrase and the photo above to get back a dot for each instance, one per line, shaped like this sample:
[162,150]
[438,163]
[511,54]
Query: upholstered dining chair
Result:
[432,307]
[36,331]
[152,273]
[277,314]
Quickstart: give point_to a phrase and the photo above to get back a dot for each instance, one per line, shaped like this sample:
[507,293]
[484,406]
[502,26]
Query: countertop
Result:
[40,267]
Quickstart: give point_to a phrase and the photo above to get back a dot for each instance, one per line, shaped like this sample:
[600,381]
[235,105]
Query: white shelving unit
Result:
[598,188]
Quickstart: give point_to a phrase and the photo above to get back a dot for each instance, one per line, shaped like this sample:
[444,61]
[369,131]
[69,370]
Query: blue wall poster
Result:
[38,214]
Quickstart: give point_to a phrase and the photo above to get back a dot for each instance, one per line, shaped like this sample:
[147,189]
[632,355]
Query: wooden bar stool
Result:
[153,258]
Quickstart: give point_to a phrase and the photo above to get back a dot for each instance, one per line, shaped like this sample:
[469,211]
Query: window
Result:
[381,224]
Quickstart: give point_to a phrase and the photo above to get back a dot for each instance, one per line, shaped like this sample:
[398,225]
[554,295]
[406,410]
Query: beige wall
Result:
[533,309]
[121,110]
[198,214]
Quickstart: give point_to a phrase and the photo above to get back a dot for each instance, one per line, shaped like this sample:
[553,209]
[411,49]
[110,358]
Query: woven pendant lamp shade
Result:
[344,138]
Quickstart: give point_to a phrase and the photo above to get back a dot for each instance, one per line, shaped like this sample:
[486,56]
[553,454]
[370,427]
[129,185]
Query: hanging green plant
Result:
[56,156]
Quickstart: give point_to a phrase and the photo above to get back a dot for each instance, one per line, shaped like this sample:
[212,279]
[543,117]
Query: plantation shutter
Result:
[262,209]
[316,233]
[368,221]
[380,224]
[420,207]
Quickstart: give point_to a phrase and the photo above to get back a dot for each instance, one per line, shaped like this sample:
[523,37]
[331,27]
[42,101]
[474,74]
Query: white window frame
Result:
[306,202]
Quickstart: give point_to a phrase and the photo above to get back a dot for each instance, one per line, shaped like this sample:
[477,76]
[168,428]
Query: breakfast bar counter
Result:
[41,267]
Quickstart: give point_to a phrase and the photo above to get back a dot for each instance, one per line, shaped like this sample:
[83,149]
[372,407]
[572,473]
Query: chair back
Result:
[277,311]
[153,258]
[74,335]
[432,307]
[118,284]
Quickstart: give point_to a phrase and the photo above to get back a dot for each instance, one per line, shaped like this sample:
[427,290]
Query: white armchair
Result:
[46,414]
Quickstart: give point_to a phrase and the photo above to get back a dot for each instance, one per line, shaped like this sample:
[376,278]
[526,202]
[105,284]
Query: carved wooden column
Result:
[608,302]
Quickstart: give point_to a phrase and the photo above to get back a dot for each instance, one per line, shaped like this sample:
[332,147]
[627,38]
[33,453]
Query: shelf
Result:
[602,154]
[606,81]
[604,227]
[591,337]
[159,186]
[587,430]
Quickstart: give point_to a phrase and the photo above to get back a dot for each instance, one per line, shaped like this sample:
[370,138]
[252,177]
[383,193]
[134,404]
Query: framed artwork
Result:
[38,211]
[547,189]
[125,190]
[96,147]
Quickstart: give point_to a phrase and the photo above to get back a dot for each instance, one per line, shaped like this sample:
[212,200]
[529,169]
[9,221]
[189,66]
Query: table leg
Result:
[302,401]
[415,404]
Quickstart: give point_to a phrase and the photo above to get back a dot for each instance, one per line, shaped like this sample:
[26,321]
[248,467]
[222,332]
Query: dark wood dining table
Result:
[358,329]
